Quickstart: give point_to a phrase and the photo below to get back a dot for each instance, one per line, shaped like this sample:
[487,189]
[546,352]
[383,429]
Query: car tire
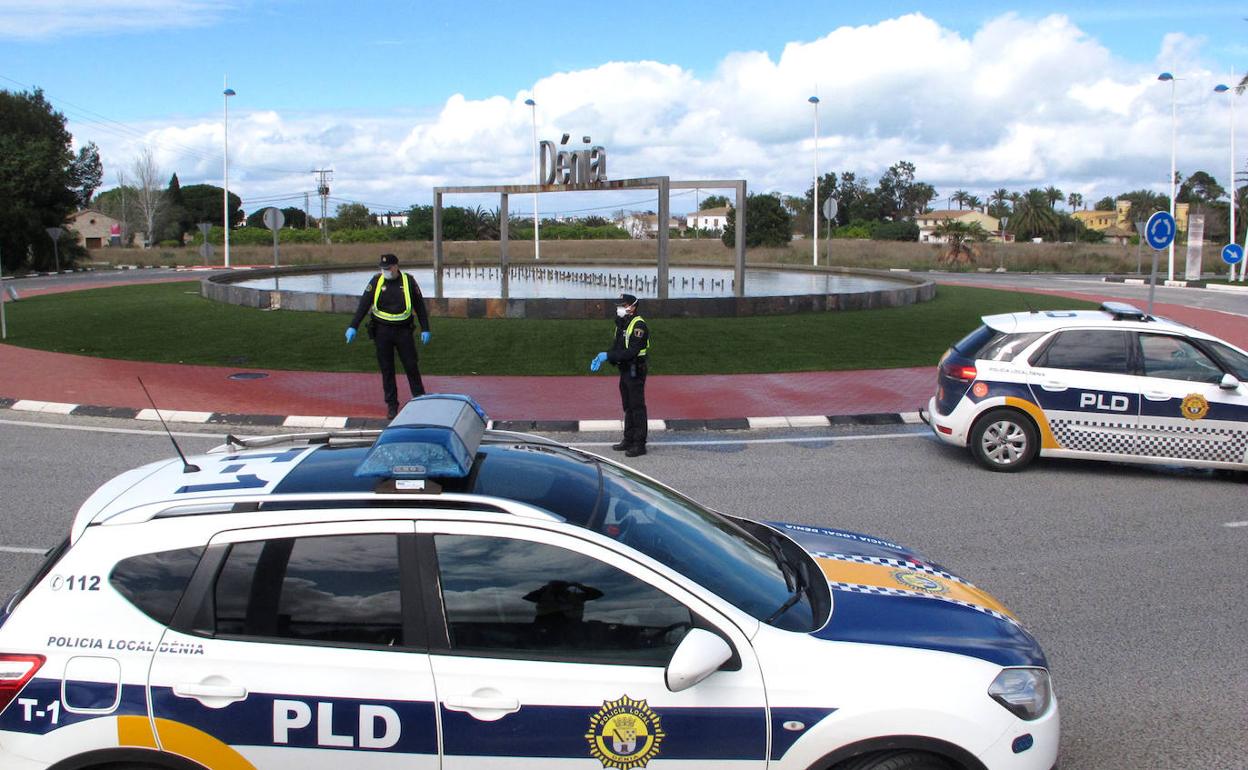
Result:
[1004,440]
[896,760]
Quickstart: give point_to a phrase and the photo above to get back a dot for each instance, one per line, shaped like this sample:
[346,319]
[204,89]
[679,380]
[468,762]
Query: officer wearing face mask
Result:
[630,353]
[391,299]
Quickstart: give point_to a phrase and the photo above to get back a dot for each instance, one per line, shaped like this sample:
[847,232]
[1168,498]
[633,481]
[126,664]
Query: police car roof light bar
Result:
[1121,311]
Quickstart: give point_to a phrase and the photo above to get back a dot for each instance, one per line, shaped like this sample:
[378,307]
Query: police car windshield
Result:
[705,547]
[1234,359]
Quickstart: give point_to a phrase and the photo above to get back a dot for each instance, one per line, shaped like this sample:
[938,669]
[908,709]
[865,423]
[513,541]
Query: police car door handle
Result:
[200,690]
[479,703]
[1053,385]
[1156,395]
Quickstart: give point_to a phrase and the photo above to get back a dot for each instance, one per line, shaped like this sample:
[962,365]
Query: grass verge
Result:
[171,323]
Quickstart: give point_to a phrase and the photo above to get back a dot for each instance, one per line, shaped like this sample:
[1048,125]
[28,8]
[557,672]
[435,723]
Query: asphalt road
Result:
[1128,575]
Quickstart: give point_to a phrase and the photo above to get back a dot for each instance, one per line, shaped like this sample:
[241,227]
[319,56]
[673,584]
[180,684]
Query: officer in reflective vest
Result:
[630,353]
[391,299]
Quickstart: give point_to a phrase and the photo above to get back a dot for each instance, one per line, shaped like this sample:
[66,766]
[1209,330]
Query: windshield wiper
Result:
[786,569]
[801,582]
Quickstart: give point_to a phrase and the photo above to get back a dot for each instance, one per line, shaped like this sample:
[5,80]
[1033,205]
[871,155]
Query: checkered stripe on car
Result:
[1094,436]
[892,563]
[1194,442]
[879,591]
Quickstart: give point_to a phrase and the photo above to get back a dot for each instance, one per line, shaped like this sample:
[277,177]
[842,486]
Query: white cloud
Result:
[44,19]
[1022,102]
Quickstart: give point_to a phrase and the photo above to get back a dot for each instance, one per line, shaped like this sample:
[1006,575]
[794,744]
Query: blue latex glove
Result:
[596,364]
[350,334]
[424,338]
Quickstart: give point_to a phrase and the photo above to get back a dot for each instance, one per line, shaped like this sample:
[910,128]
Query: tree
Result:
[177,221]
[87,173]
[150,202]
[973,202]
[1052,195]
[896,190]
[767,223]
[998,207]
[920,195]
[37,184]
[959,197]
[1104,204]
[802,215]
[203,204]
[958,237]
[291,217]
[714,202]
[1074,200]
[1034,217]
[1144,203]
[352,216]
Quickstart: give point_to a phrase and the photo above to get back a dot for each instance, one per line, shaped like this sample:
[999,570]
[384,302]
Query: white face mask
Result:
[621,311]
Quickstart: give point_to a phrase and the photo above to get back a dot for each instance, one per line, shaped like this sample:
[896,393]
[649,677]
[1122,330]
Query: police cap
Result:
[389,260]
[628,299]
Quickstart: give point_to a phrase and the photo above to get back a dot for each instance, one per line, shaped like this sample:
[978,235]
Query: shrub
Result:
[896,231]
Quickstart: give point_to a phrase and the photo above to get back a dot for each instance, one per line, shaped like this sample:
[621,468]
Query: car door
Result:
[1185,414]
[1083,381]
[296,646]
[553,650]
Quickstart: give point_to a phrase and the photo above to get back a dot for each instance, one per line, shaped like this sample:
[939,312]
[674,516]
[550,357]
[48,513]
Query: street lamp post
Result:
[1220,88]
[1174,134]
[537,179]
[814,230]
[225,194]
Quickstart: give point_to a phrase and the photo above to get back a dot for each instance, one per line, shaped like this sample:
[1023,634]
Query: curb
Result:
[541,426]
[1176,284]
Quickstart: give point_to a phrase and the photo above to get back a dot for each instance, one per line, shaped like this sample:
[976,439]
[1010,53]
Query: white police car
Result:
[1107,384]
[450,597]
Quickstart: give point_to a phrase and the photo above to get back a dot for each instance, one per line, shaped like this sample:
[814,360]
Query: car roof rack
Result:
[1121,311]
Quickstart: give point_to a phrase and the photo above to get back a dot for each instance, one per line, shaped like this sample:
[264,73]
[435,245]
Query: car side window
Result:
[1093,350]
[341,589]
[1174,358]
[154,582]
[1236,361]
[520,598]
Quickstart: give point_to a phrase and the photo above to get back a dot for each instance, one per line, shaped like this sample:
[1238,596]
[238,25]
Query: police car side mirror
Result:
[698,655]
[1228,382]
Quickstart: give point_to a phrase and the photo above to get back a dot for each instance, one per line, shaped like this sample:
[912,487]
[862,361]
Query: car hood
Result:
[884,593]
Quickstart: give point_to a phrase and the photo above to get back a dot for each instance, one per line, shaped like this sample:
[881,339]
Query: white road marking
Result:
[96,429]
[794,440]
[15,549]
[1236,524]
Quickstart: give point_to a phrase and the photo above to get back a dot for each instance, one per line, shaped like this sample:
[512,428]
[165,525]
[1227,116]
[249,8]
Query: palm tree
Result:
[973,202]
[958,237]
[959,198]
[1034,216]
[1052,195]
[1074,200]
[998,198]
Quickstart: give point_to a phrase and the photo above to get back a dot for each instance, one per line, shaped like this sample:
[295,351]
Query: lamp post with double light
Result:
[537,179]
[1166,77]
[1225,89]
[814,204]
[225,194]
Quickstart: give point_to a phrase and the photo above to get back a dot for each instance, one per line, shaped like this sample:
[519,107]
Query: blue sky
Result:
[398,97]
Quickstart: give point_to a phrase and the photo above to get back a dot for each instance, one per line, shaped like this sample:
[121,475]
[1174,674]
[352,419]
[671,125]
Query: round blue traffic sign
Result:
[1232,253]
[1160,230]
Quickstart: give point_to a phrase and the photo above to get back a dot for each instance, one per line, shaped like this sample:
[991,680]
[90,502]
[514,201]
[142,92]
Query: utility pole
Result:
[322,189]
[305,211]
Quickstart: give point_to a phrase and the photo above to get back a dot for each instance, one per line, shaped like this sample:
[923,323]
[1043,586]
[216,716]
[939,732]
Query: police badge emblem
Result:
[624,734]
[1194,406]
[916,582]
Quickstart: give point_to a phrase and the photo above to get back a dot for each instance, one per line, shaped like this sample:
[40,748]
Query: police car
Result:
[441,595]
[1107,384]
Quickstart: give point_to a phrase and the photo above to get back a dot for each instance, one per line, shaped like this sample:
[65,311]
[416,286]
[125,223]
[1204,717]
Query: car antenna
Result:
[1029,306]
[186,467]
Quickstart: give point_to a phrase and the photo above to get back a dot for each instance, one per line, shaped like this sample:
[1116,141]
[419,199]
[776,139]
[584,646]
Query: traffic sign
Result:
[829,209]
[1232,253]
[1160,230]
[274,218]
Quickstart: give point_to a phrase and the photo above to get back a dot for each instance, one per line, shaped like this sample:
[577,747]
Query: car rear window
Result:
[1004,347]
[971,344]
[154,582]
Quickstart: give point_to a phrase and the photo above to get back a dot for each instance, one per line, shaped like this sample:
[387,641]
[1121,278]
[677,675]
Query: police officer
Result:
[630,353]
[392,298]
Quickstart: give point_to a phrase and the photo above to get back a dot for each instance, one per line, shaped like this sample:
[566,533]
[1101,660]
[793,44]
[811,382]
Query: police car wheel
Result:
[1004,440]
[896,760]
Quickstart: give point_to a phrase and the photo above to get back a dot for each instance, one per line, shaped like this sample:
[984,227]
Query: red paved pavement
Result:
[38,375]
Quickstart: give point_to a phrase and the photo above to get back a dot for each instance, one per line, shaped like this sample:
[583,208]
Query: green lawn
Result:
[170,322]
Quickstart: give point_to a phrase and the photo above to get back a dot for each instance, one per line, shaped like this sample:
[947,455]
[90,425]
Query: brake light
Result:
[960,372]
[15,672]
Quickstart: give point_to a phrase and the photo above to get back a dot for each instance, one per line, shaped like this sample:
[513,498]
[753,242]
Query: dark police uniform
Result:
[392,304]
[630,352]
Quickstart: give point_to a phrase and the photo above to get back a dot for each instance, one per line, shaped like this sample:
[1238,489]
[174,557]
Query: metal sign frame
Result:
[663,184]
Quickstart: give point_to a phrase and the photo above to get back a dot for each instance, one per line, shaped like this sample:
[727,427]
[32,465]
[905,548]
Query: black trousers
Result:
[391,339]
[633,399]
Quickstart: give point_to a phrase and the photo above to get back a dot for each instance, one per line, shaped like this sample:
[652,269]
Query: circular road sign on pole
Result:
[1159,232]
[1232,253]
[829,213]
